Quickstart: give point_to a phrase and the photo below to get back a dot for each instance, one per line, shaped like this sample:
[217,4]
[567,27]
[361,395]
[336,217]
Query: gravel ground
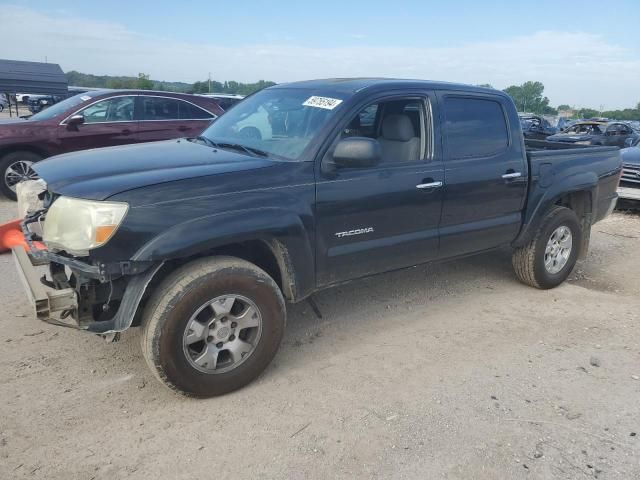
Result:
[448,371]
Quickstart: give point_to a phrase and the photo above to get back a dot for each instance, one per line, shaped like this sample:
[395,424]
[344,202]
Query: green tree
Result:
[528,97]
[143,82]
[564,106]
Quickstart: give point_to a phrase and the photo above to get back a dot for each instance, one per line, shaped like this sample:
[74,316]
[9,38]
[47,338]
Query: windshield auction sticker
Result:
[322,102]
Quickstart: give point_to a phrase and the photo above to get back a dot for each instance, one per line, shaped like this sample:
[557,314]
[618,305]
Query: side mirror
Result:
[76,120]
[629,142]
[357,152]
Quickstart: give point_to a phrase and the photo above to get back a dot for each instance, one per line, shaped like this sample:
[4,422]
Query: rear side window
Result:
[161,108]
[191,112]
[474,127]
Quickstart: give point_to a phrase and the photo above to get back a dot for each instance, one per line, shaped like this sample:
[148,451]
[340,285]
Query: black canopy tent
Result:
[31,77]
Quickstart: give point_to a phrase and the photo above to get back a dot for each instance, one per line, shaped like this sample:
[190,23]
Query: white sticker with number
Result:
[322,102]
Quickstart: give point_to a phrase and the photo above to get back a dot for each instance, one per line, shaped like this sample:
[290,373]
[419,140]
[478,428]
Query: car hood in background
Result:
[630,156]
[100,173]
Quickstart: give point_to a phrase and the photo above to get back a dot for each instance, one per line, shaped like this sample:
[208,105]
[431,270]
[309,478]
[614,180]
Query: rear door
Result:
[164,118]
[485,173]
[109,122]
[375,219]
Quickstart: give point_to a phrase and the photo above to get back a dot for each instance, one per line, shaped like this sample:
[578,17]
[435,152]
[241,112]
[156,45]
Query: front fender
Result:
[199,235]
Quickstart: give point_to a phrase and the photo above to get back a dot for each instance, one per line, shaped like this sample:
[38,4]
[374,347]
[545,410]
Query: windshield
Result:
[280,122]
[60,108]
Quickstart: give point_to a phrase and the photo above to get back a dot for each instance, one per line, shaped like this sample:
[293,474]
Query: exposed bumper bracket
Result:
[45,300]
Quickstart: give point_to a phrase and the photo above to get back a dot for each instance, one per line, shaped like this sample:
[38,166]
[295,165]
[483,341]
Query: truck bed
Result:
[555,169]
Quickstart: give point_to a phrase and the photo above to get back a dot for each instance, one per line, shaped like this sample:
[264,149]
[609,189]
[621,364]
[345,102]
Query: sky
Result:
[587,54]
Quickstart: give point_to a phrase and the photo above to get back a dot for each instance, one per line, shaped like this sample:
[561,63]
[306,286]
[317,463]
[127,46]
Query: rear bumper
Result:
[49,304]
[629,193]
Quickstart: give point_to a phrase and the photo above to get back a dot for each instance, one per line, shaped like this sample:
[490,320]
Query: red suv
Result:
[98,119]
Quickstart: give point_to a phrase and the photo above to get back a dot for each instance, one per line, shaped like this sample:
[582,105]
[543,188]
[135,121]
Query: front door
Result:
[375,219]
[107,123]
[485,174]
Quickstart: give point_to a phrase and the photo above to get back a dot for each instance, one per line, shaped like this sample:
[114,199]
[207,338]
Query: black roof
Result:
[354,85]
[31,77]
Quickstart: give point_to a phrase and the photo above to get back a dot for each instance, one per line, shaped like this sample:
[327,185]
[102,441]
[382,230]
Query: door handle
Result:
[182,128]
[512,175]
[428,185]
[126,131]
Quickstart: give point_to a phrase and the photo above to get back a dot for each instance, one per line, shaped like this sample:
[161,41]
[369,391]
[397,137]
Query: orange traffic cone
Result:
[11,236]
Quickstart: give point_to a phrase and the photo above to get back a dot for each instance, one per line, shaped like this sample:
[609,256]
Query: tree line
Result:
[143,82]
[528,97]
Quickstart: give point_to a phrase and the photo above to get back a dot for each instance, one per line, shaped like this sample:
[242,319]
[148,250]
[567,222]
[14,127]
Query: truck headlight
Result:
[77,225]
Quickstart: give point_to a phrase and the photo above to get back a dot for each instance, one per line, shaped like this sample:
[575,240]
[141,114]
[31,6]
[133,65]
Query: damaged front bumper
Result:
[47,302]
[101,299]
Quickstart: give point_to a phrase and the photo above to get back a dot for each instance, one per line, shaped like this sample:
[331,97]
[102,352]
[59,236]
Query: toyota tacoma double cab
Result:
[202,241]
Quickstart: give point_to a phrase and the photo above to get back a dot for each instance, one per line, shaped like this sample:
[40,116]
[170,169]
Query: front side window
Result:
[118,109]
[281,122]
[474,127]
[398,125]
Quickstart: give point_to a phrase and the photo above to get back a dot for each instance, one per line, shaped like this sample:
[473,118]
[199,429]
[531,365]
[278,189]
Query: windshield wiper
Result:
[209,142]
[250,150]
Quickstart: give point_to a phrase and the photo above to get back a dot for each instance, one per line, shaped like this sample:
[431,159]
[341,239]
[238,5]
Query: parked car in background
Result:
[536,127]
[629,188]
[596,133]
[98,119]
[200,242]
[224,100]
[23,97]
[39,103]
[564,123]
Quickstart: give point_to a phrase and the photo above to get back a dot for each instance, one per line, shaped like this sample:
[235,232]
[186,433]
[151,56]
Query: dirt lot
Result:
[448,371]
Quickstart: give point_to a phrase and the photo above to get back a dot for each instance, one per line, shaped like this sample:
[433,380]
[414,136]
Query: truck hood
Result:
[101,173]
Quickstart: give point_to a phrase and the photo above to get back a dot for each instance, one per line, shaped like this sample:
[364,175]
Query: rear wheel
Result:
[550,256]
[213,326]
[16,167]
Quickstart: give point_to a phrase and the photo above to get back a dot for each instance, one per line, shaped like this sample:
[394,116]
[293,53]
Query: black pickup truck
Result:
[200,241]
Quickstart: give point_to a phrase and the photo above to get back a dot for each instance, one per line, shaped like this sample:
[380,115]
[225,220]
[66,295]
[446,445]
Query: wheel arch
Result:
[580,198]
[6,150]
[272,256]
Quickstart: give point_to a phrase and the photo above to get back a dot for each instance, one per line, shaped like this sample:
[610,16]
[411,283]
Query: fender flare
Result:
[580,182]
[282,231]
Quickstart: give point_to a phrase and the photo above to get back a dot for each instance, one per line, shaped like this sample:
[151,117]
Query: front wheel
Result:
[550,256]
[16,167]
[213,326]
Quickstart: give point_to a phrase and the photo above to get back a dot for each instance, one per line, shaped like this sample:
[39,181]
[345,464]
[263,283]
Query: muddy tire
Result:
[213,326]
[14,168]
[548,259]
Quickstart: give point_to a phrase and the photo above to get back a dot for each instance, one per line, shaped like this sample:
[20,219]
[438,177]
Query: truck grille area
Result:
[630,176]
